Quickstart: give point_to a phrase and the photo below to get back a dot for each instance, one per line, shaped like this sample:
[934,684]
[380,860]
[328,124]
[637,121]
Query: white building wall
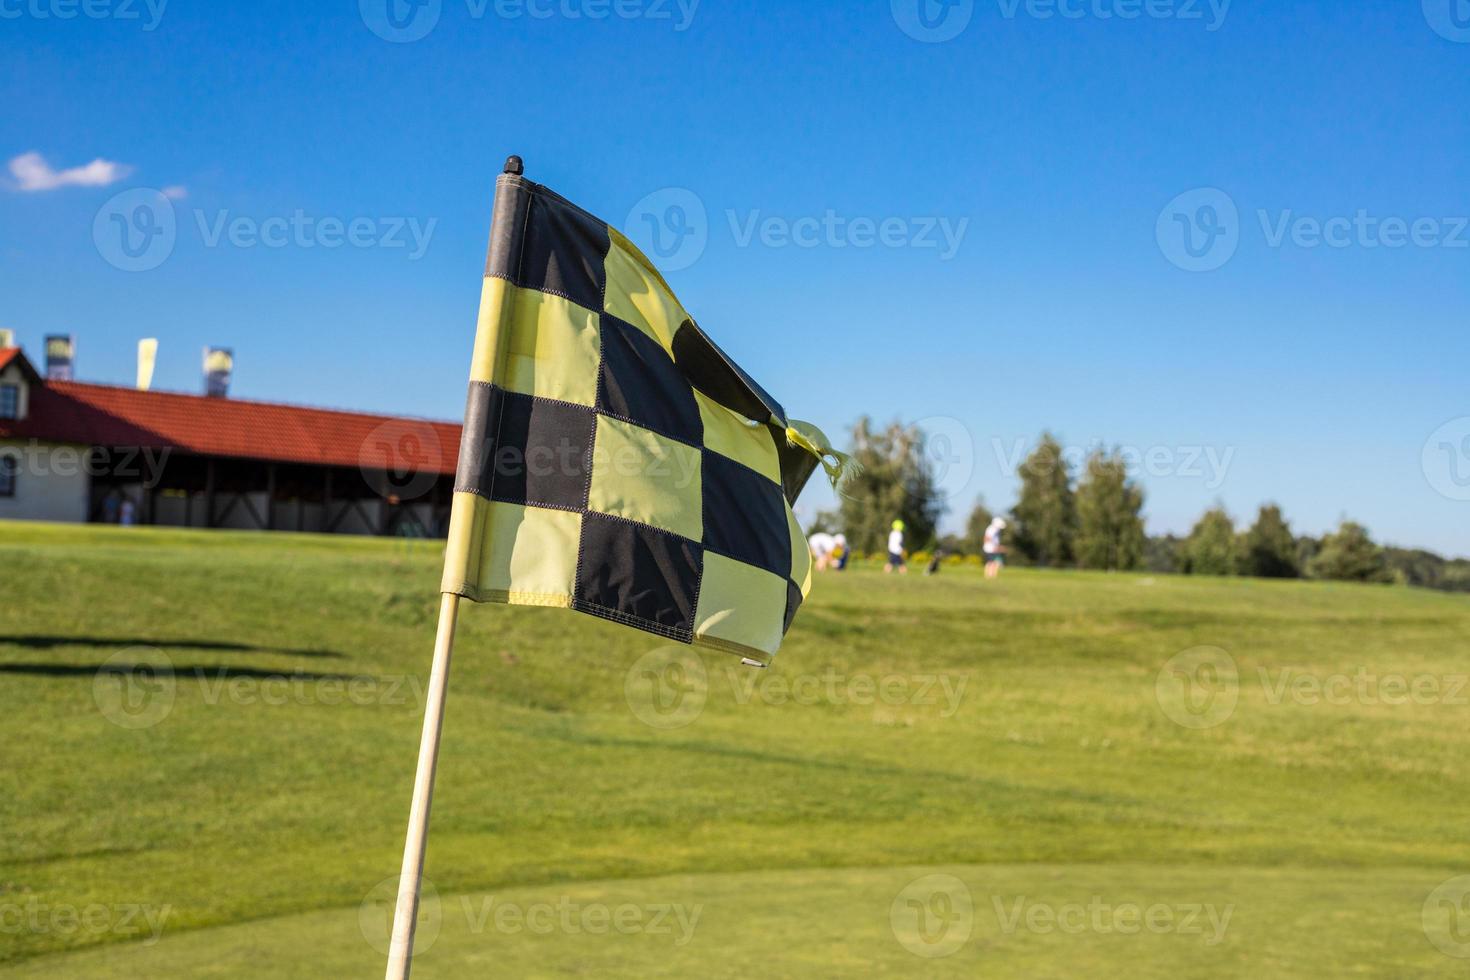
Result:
[51,482]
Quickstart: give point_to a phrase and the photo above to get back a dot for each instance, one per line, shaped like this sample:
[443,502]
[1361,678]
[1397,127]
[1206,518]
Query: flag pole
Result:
[405,910]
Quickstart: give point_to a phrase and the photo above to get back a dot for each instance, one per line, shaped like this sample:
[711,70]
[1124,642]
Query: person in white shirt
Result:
[995,552]
[822,545]
[895,550]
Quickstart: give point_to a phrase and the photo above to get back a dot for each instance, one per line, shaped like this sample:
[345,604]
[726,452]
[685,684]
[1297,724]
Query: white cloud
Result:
[32,173]
[175,193]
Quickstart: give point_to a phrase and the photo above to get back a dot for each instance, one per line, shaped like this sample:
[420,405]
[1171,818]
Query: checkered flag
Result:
[614,460]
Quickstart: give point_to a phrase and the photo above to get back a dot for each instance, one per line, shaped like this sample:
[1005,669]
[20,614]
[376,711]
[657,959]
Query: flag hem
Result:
[554,600]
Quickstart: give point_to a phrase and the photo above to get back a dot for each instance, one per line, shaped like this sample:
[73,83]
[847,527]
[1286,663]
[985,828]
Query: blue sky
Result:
[819,153]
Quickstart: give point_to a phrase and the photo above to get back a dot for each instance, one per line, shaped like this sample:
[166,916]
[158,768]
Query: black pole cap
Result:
[515,166]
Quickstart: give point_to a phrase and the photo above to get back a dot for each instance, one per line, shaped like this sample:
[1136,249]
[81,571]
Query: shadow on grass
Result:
[212,673]
[41,642]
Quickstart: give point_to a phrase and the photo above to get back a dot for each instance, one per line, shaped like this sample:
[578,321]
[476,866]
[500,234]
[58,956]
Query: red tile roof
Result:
[102,415]
[9,354]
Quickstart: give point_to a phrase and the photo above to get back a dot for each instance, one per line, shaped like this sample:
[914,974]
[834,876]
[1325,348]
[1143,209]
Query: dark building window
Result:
[9,401]
[7,476]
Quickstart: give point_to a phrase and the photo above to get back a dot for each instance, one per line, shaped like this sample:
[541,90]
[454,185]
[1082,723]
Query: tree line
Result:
[1093,519]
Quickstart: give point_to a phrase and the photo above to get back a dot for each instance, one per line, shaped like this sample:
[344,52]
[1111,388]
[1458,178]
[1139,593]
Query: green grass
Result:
[1038,768]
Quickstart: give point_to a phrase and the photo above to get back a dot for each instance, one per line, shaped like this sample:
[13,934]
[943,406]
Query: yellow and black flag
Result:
[614,460]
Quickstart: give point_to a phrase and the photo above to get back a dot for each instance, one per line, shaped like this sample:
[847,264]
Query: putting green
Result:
[951,921]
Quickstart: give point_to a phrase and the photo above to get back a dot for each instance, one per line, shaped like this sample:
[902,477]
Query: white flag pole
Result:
[406,909]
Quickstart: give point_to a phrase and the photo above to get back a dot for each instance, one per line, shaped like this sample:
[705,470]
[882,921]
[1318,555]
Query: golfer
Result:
[823,547]
[895,550]
[995,552]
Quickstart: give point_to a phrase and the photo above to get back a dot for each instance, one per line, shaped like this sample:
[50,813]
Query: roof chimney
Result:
[219,365]
[61,352]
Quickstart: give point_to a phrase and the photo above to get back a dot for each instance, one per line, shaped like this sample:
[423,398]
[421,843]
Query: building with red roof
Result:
[71,451]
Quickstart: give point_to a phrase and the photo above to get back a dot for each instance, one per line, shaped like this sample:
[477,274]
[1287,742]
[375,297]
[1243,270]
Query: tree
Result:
[1270,550]
[1109,522]
[1163,555]
[1210,547]
[1349,555]
[896,482]
[1046,513]
[980,518]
